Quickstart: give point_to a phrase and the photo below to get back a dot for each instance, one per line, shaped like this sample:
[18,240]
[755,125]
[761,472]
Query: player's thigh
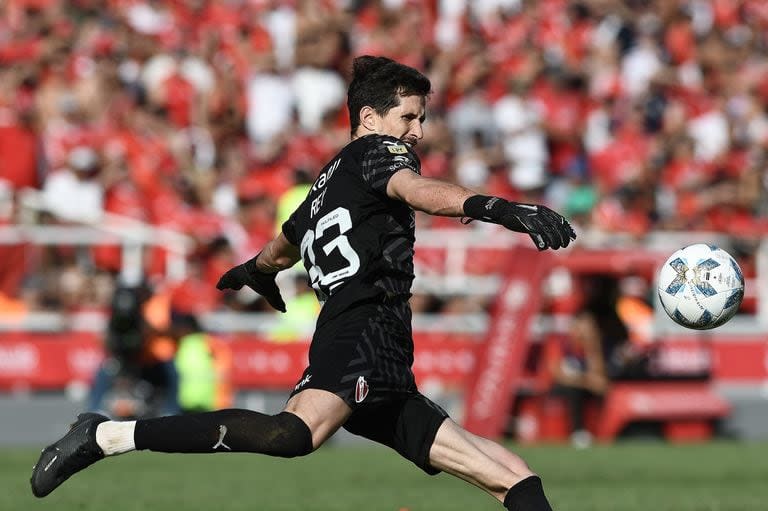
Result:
[323,412]
[476,459]
[407,423]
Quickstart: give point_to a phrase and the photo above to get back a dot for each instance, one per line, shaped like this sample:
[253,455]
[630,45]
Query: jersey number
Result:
[318,277]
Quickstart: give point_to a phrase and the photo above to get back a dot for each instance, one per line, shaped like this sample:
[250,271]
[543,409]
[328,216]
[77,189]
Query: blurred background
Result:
[148,146]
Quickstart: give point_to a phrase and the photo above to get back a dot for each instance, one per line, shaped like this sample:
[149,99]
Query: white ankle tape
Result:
[116,437]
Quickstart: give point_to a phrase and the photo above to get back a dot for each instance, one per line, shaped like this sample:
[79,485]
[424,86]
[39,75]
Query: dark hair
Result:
[379,82]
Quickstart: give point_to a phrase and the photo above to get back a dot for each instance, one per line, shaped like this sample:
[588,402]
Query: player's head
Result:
[387,98]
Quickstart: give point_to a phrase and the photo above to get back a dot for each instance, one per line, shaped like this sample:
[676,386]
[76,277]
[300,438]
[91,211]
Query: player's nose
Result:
[417,130]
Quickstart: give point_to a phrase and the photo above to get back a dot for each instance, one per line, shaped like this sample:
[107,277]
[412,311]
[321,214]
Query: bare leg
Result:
[477,460]
[322,411]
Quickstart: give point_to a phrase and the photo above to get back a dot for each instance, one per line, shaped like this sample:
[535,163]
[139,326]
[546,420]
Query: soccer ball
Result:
[701,286]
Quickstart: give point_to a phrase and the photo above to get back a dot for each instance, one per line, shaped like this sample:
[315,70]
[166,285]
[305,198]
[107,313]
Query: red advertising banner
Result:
[258,364]
[730,359]
[743,361]
[31,360]
[501,357]
[52,361]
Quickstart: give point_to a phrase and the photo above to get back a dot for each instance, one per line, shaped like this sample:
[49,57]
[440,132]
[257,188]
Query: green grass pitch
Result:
[631,476]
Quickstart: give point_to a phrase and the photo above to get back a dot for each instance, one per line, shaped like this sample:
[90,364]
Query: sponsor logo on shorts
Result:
[361,390]
[303,382]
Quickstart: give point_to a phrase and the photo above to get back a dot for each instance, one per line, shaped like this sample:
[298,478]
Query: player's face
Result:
[405,120]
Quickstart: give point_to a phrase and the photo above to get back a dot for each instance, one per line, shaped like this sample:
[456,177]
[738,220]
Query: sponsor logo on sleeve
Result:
[399,165]
[397,149]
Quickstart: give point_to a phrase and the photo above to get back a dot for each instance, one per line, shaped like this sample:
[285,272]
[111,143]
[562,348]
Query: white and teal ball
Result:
[701,286]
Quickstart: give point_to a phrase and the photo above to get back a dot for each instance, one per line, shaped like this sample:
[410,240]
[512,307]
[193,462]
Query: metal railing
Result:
[449,279]
[110,229]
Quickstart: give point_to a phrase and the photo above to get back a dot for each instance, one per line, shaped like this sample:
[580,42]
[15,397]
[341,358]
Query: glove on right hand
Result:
[247,274]
[546,228]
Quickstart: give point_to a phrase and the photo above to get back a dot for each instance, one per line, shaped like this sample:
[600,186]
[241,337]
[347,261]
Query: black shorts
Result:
[364,356]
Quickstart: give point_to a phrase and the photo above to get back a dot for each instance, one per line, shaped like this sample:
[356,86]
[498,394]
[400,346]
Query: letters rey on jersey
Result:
[319,184]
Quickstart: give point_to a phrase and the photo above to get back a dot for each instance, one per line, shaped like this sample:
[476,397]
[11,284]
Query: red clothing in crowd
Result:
[19,152]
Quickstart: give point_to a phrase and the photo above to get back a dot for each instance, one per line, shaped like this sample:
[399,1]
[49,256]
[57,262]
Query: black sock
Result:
[527,495]
[233,430]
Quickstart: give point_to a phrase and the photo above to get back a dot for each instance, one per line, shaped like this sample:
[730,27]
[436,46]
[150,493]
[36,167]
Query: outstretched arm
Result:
[432,196]
[546,228]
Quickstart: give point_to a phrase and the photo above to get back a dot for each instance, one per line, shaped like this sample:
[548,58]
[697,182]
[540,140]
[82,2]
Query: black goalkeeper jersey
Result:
[356,242]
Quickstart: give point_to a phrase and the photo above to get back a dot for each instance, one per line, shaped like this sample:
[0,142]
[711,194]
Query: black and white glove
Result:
[546,228]
[247,274]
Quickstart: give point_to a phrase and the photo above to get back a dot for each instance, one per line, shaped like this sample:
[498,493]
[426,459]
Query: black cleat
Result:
[71,454]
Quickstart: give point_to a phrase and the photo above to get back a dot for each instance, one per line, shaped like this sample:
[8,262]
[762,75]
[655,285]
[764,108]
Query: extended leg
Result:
[234,430]
[489,466]
[309,418]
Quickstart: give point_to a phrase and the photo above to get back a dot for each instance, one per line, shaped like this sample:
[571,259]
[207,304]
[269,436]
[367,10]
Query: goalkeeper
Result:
[354,233]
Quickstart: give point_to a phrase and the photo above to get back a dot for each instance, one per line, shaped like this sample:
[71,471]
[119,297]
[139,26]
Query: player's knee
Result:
[292,436]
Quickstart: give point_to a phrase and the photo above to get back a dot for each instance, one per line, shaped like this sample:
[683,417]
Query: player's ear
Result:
[369,119]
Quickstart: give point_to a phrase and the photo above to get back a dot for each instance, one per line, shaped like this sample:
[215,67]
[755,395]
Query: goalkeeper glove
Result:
[247,274]
[546,228]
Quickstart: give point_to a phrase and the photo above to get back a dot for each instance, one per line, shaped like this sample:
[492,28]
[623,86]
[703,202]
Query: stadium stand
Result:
[155,140]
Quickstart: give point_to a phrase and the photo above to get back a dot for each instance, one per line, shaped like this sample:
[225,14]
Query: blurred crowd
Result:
[209,118]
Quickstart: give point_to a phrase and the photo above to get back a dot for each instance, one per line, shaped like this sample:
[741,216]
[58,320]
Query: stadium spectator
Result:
[517,117]
[578,373]
[75,193]
[139,361]
[582,365]
[623,103]
[203,364]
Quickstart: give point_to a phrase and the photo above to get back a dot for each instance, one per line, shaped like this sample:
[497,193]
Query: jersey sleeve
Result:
[289,229]
[384,157]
